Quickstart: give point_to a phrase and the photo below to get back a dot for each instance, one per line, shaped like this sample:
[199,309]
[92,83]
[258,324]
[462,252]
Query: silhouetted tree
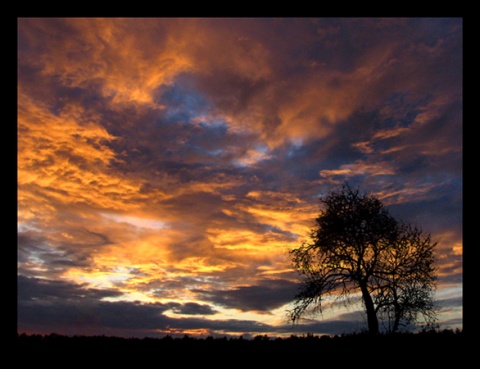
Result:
[357,245]
[406,280]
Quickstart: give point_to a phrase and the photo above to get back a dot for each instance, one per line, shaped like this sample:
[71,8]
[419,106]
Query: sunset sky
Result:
[167,165]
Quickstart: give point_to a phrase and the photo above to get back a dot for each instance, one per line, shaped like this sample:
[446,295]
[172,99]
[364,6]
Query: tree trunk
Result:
[371,314]
[396,323]
[398,315]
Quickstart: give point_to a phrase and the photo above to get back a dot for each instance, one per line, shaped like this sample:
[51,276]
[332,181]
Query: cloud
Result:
[353,321]
[267,295]
[89,53]
[49,291]
[359,168]
[64,154]
[58,306]
[452,323]
[192,308]
[451,302]
[174,161]
[93,318]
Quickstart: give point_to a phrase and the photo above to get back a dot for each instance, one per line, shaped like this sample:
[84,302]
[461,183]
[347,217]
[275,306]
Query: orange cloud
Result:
[114,52]
[359,168]
[66,158]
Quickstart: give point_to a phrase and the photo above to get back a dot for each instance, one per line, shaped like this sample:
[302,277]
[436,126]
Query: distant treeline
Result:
[23,337]
[428,347]
[447,338]
[308,340]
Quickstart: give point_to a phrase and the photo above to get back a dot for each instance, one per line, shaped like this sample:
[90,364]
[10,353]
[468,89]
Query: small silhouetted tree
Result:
[404,287]
[356,245]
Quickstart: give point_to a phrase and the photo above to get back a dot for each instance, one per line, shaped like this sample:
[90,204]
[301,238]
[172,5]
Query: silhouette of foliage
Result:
[259,351]
[357,245]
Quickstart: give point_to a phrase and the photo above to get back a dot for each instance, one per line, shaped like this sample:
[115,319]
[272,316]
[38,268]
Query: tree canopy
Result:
[356,245]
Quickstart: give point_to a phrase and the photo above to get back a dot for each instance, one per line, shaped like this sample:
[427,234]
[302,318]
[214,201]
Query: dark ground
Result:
[425,349]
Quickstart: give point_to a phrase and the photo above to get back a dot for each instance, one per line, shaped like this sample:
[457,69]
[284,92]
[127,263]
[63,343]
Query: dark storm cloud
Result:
[54,306]
[28,242]
[267,295]
[57,307]
[34,249]
[49,291]
[62,305]
[192,308]
[91,317]
[59,249]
